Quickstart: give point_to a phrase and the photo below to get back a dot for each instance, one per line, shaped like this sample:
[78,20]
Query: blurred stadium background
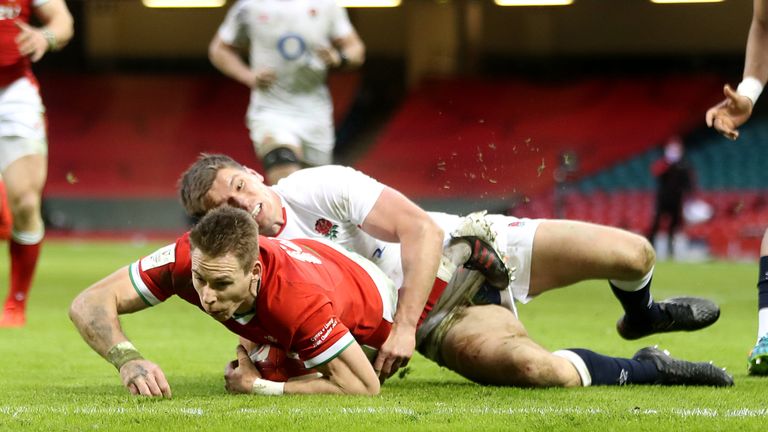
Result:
[462,105]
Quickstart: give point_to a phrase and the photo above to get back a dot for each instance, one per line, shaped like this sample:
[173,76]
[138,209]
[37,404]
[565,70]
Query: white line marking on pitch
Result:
[16,411]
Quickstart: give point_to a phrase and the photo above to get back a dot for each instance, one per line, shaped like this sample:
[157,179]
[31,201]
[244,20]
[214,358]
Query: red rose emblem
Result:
[323,226]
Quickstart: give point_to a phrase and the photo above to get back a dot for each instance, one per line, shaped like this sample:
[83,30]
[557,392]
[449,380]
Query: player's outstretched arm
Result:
[95,314]
[395,218]
[727,116]
[349,373]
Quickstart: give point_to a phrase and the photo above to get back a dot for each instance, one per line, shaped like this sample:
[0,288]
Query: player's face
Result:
[223,287]
[246,190]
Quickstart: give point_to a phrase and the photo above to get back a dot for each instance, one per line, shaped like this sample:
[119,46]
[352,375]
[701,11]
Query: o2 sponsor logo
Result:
[291,46]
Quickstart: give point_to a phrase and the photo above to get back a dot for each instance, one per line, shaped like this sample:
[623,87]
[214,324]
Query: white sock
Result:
[762,323]
[578,363]
[634,285]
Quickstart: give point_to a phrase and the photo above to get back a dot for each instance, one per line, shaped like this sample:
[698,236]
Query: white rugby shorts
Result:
[22,122]
[514,236]
[314,138]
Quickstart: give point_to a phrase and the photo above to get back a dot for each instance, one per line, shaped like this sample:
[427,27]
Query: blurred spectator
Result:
[292,44]
[23,138]
[673,184]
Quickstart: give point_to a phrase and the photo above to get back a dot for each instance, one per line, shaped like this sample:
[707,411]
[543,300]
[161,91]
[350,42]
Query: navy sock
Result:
[616,371]
[638,304]
[762,284]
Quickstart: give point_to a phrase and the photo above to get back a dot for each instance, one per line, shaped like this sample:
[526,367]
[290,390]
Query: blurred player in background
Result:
[23,139]
[331,307]
[291,46]
[726,117]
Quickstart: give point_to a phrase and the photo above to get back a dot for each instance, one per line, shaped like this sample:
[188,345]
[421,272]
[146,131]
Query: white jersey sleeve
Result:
[232,31]
[341,26]
[341,193]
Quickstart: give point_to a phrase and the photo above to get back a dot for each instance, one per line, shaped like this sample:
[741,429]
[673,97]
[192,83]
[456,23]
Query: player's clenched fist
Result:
[240,374]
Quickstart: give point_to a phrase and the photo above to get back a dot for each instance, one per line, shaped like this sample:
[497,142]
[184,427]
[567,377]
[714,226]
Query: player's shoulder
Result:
[175,255]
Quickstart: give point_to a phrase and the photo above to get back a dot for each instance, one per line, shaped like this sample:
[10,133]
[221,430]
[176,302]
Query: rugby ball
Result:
[276,364]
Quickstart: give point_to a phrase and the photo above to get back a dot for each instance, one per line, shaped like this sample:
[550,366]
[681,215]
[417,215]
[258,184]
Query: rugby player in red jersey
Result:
[23,138]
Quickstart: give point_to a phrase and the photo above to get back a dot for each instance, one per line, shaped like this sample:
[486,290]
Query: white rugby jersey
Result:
[332,202]
[283,35]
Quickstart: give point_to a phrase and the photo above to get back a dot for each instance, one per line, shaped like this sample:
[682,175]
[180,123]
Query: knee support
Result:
[279,156]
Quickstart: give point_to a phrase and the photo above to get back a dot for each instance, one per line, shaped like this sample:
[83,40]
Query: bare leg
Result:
[24,179]
[566,252]
[489,345]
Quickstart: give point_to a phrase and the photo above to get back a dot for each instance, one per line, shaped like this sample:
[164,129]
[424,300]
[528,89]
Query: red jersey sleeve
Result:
[158,275]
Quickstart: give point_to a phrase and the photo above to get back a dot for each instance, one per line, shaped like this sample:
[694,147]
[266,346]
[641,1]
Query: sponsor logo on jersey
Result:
[327,229]
[160,257]
[323,334]
[516,224]
[378,253]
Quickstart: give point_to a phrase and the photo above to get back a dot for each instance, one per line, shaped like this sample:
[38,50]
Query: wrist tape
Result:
[751,88]
[267,387]
[122,353]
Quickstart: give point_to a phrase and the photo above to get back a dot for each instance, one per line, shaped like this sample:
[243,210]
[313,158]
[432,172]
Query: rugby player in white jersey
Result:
[327,305]
[23,137]
[357,212]
[726,117]
[291,44]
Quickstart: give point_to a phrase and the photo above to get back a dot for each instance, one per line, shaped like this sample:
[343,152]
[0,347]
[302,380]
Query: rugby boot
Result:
[758,358]
[487,261]
[673,371]
[485,255]
[13,316]
[682,314]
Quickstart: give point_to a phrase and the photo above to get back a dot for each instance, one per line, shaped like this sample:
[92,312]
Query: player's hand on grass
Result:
[142,377]
[30,41]
[396,351]
[729,114]
[240,374]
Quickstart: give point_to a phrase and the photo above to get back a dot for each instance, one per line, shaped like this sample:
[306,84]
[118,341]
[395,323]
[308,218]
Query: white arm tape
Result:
[750,87]
[267,387]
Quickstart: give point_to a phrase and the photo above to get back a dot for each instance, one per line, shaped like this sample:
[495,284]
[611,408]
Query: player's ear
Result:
[256,281]
[254,173]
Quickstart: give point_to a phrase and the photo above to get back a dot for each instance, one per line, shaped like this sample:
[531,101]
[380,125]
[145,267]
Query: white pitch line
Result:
[16,411]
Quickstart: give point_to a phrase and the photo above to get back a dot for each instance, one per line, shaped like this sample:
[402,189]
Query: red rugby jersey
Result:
[313,300]
[12,64]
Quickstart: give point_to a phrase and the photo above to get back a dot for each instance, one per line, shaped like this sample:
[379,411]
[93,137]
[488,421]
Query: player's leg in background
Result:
[24,179]
[566,252]
[758,357]
[6,220]
[277,147]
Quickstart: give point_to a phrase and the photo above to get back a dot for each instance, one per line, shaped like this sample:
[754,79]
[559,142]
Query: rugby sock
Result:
[636,299]
[762,298]
[597,369]
[24,250]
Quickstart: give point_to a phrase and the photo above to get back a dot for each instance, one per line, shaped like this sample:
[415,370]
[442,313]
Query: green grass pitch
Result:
[51,380]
